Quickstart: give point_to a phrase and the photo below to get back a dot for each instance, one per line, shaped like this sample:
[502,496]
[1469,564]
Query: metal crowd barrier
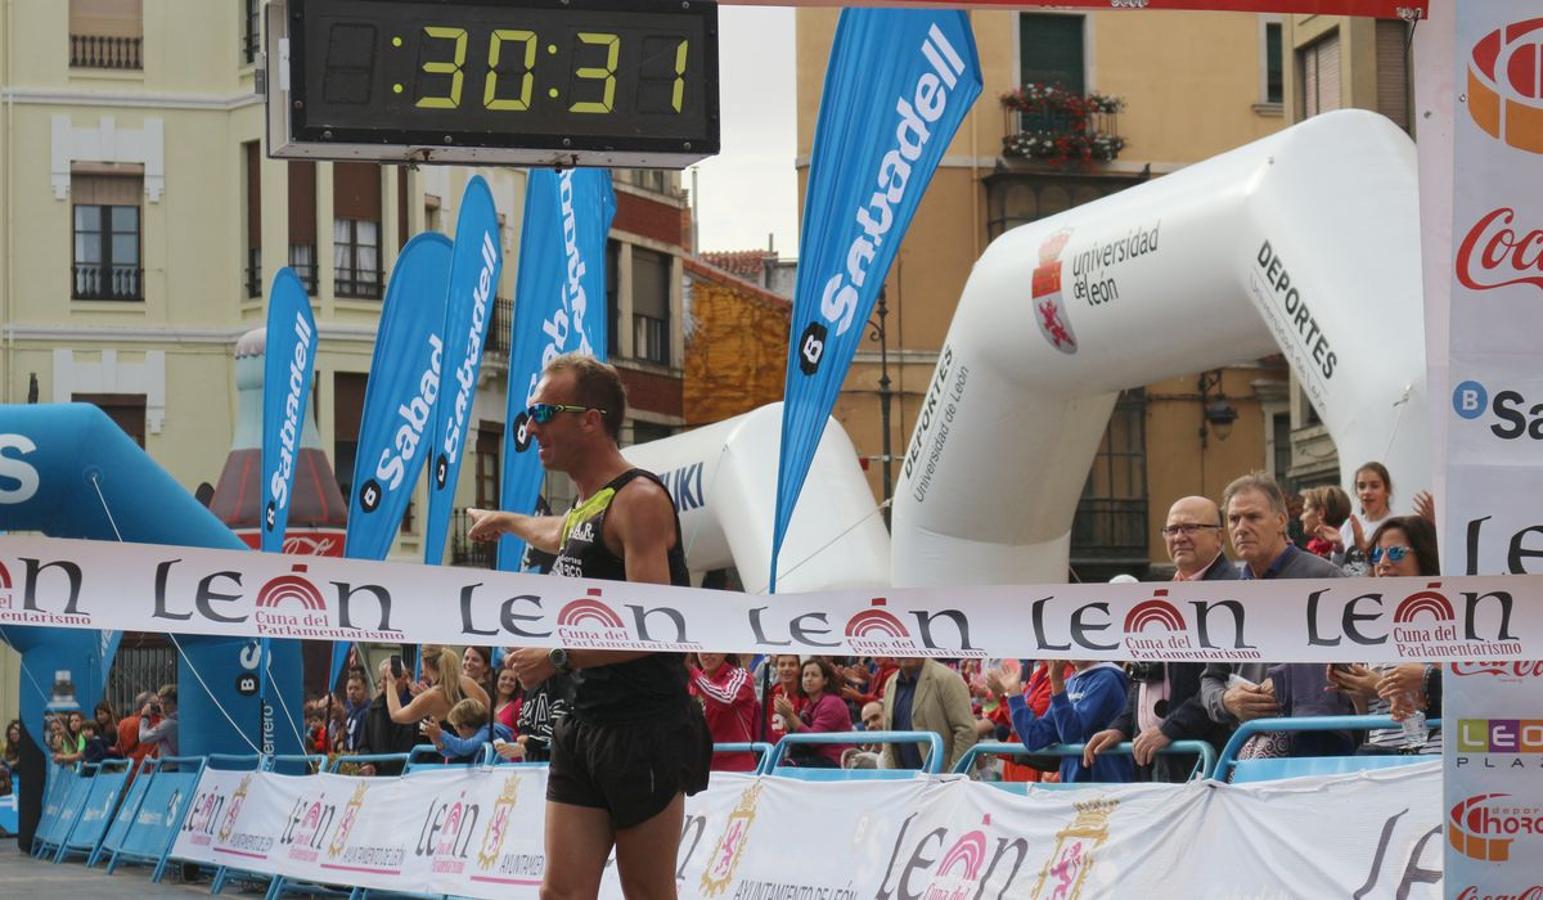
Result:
[1203,766]
[1230,768]
[761,749]
[931,765]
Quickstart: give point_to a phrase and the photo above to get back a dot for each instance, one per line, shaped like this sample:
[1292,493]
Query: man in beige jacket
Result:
[927,696]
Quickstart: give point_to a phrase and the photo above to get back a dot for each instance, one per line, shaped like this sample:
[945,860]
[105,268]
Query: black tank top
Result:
[646,687]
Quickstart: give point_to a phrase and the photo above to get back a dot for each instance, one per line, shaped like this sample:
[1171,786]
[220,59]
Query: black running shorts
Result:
[633,770]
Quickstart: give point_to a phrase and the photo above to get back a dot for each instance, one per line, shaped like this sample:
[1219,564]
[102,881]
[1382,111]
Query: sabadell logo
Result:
[1505,97]
[292,588]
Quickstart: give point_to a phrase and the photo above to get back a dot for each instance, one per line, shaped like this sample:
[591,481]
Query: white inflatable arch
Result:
[1307,241]
[723,478]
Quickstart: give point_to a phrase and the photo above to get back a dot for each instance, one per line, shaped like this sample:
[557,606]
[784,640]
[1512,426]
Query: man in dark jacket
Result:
[381,735]
[1163,703]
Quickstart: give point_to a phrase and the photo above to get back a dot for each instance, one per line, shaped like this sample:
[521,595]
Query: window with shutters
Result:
[1110,526]
[651,306]
[490,440]
[106,231]
[251,30]
[356,230]
[403,226]
[1393,77]
[126,410]
[106,34]
[302,222]
[1051,52]
[1318,68]
[347,411]
[252,157]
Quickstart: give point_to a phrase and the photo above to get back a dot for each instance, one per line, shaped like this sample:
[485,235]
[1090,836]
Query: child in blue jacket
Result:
[1080,707]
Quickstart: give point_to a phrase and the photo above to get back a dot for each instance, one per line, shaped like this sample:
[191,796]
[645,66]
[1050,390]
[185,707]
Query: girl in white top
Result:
[1374,488]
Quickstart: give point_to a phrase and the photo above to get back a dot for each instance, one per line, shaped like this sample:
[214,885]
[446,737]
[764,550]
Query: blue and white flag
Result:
[288,366]
[899,84]
[562,271]
[474,268]
[396,427]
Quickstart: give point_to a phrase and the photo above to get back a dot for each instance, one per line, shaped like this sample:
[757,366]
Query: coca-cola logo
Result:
[1496,254]
[1508,671]
[1472,892]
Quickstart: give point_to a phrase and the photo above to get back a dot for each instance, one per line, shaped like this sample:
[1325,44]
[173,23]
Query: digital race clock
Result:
[535,82]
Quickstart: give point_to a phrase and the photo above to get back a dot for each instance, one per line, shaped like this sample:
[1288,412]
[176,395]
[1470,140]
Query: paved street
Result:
[21,876]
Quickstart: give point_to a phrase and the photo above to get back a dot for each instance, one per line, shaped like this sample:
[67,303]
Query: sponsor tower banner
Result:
[1382,9]
[474,269]
[1493,711]
[400,396]
[562,270]
[899,84]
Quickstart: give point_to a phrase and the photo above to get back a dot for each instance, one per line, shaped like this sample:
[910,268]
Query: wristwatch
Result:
[558,657]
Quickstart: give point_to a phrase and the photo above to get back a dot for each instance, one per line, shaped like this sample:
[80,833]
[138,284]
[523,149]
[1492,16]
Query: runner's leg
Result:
[578,839]
[646,854]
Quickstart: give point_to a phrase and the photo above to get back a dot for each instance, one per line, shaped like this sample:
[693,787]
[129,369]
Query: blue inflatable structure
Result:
[69,471]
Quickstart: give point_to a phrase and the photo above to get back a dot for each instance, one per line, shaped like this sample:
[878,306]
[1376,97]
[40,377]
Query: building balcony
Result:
[1052,124]
[94,51]
[501,328]
[94,281]
[467,553]
[302,260]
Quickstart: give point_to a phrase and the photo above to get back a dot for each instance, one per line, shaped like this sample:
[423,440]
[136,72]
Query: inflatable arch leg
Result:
[1305,243]
[723,478]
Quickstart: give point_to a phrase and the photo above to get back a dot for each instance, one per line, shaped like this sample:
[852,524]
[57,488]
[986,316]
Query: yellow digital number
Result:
[612,43]
[527,82]
[679,94]
[453,69]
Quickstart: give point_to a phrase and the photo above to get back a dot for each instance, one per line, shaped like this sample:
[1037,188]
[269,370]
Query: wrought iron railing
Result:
[302,259]
[136,669]
[501,328]
[468,553]
[94,281]
[94,51]
[363,285]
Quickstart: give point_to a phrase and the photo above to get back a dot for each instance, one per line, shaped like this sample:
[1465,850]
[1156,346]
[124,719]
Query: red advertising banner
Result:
[1382,9]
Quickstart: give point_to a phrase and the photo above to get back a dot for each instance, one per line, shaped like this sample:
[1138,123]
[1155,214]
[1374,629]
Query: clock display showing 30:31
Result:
[470,67]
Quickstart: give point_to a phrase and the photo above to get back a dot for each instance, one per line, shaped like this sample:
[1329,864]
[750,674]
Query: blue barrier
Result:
[1203,766]
[10,822]
[68,801]
[932,765]
[1230,768]
[152,828]
[101,800]
[761,749]
[118,829]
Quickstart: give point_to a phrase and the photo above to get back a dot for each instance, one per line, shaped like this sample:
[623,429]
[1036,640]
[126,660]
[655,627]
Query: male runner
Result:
[635,743]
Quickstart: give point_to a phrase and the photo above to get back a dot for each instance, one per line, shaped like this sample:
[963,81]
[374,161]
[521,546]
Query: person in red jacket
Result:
[727,693]
[786,669]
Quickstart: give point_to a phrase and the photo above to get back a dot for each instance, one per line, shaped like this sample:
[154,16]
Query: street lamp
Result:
[878,333]
[1217,414]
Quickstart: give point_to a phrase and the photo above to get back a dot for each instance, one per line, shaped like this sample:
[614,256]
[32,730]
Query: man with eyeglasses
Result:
[1163,703]
[634,743]
[1235,693]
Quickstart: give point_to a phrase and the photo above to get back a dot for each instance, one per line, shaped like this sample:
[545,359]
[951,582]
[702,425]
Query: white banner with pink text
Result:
[478,833]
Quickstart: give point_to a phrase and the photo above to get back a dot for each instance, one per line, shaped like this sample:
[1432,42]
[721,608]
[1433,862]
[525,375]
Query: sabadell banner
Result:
[141,587]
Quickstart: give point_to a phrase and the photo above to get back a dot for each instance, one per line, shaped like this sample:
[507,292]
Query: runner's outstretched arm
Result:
[542,532]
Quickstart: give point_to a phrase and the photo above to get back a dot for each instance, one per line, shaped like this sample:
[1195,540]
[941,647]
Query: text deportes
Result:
[1313,338]
[570,318]
[289,432]
[838,303]
[415,414]
[466,372]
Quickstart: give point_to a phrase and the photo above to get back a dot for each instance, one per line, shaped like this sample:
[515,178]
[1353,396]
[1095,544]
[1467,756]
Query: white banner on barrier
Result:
[478,833]
[141,587]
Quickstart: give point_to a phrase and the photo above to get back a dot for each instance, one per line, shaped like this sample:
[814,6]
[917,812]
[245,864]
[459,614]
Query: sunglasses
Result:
[542,413]
[1394,554]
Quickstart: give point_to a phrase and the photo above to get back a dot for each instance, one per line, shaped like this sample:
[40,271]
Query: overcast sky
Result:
[750,190]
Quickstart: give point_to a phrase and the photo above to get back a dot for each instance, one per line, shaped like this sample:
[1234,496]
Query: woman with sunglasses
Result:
[1401,546]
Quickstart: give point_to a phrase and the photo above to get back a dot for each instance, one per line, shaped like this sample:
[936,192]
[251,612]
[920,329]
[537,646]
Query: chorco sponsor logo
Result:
[289,428]
[1498,252]
[840,299]
[1505,98]
[1517,417]
[1484,826]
